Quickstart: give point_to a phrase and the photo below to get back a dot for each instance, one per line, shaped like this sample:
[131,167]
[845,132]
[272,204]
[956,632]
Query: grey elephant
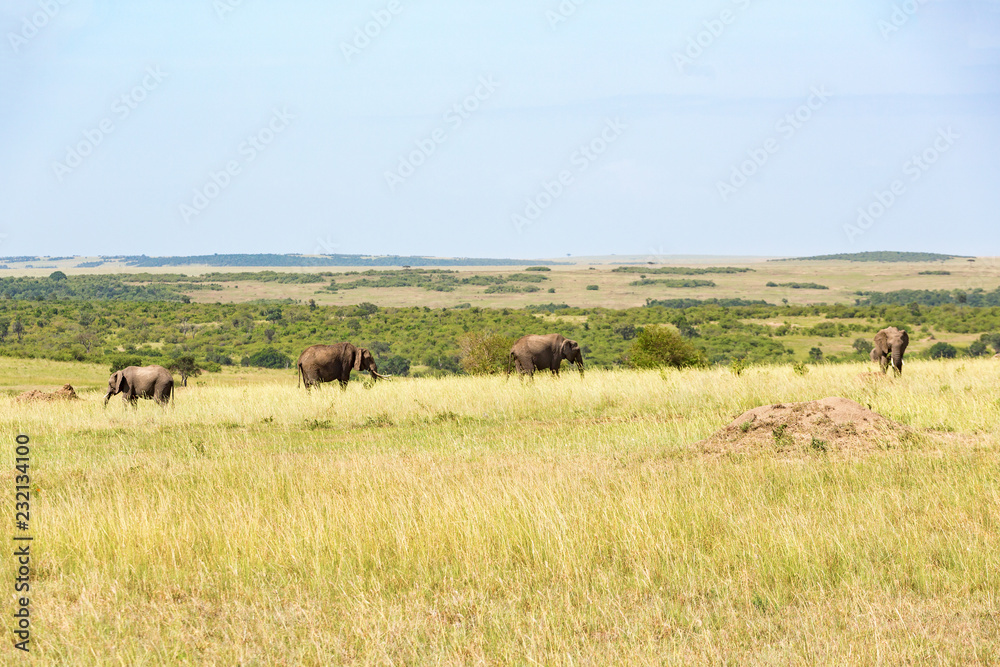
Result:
[890,344]
[135,382]
[326,363]
[541,352]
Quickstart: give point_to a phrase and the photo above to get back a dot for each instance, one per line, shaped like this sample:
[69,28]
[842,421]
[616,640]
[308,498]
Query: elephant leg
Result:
[884,364]
[343,385]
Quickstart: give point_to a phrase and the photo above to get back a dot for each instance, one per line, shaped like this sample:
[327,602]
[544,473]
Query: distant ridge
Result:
[274,260]
[881,256]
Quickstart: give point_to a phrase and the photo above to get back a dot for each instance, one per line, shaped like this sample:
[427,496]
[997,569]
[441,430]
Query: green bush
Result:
[593,287]
[483,352]
[863,346]
[121,361]
[977,348]
[395,365]
[659,346]
[268,358]
[942,350]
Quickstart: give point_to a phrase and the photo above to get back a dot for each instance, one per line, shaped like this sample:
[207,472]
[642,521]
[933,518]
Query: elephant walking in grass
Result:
[890,344]
[135,382]
[537,352]
[326,363]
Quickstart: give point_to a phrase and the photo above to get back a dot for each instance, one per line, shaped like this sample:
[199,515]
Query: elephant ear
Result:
[882,341]
[122,384]
[903,336]
[566,349]
[359,354]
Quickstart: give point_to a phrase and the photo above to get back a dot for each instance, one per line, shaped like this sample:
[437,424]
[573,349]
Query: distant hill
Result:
[882,256]
[274,260]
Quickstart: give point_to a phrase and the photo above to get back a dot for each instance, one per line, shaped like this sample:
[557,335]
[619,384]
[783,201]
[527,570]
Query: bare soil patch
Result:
[66,393]
[829,425]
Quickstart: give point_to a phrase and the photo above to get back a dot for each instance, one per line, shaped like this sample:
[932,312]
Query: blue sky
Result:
[515,129]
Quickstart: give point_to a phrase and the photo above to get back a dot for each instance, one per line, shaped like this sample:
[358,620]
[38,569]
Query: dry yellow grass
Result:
[466,520]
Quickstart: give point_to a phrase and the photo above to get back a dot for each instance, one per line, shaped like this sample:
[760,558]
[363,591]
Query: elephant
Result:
[540,352]
[325,363]
[135,382]
[890,344]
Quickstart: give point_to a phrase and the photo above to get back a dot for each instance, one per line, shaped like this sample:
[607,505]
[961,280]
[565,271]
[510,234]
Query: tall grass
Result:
[487,520]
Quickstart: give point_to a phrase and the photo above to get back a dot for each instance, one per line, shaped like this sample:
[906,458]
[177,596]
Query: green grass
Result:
[464,520]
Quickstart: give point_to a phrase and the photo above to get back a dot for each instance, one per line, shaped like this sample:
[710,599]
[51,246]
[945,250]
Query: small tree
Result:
[186,366]
[121,361]
[626,331]
[660,346]
[396,365]
[863,346]
[57,275]
[943,350]
[18,329]
[991,339]
[4,328]
[268,358]
[815,355]
[977,348]
[483,352]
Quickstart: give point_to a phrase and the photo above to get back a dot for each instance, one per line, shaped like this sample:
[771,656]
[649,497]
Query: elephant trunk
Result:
[897,359]
[107,397]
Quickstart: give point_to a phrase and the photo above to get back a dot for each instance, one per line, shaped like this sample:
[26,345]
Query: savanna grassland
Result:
[463,520]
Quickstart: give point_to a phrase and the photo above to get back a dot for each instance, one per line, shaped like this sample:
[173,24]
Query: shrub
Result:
[537,268]
[815,355]
[993,340]
[121,361]
[593,287]
[863,346]
[268,358]
[977,348]
[659,346]
[483,352]
[396,365]
[942,350]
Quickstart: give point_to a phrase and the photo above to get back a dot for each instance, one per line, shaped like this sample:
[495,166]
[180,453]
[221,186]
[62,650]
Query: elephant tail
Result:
[298,375]
[510,360]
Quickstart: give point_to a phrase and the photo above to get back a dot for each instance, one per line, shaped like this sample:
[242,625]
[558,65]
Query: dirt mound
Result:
[66,393]
[828,425]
